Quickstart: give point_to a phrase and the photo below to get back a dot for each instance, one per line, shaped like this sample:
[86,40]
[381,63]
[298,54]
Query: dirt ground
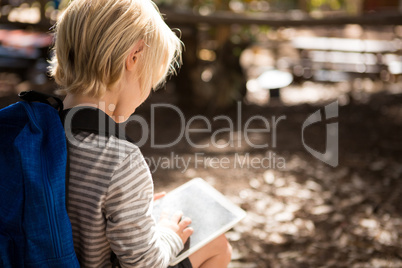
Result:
[301,212]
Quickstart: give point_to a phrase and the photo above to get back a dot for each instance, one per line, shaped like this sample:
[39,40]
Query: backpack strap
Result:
[31,96]
[35,96]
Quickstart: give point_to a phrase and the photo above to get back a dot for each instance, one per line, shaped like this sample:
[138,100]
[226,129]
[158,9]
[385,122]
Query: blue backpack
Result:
[35,230]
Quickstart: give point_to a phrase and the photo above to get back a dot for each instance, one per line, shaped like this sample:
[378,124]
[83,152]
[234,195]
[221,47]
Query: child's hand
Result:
[178,224]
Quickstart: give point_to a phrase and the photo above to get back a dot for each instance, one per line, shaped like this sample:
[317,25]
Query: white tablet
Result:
[211,213]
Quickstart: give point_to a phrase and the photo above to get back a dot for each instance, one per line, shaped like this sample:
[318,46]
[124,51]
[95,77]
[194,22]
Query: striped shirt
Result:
[110,200]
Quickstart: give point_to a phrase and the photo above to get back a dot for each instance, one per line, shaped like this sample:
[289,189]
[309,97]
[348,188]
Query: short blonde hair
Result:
[94,38]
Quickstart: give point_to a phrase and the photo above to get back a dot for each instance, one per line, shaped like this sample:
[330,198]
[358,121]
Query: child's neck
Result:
[107,104]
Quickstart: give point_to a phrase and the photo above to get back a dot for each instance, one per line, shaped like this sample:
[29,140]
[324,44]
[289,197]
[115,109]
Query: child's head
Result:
[94,38]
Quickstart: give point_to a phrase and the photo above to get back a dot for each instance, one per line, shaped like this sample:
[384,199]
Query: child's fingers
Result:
[187,233]
[184,223]
[177,216]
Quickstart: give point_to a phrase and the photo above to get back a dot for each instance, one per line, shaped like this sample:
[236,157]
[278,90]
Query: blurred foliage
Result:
[242,6]
[49,10]
[332,4]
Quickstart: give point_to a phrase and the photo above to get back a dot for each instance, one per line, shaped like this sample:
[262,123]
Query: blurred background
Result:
[276,58]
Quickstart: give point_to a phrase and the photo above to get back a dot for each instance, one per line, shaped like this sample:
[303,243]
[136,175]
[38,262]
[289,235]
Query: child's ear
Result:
[133,57]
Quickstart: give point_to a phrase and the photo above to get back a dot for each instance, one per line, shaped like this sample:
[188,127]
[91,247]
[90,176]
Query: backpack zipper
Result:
[51,211]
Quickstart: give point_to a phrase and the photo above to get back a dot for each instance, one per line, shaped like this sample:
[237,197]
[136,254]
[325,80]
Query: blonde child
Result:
[108,55]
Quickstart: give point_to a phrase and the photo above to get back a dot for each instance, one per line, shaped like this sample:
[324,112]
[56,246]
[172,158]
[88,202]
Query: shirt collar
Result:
[94,120]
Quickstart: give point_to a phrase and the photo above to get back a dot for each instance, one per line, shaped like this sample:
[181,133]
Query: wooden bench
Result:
[340,59]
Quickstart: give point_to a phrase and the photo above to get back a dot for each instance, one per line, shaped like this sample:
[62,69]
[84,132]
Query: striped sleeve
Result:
[130,228]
